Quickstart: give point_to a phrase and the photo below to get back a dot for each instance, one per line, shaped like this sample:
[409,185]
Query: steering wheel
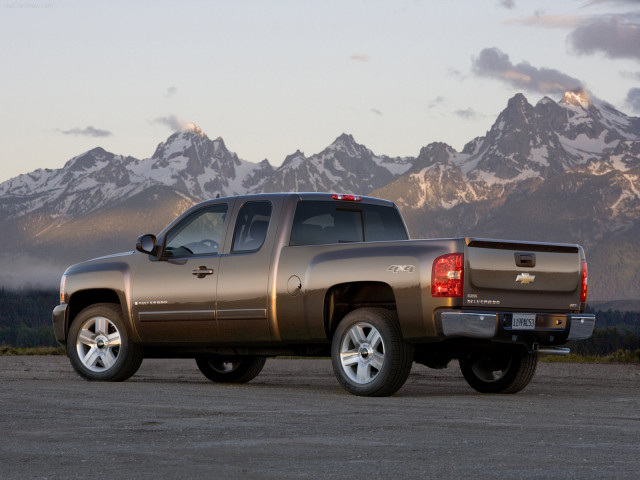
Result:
[212,245]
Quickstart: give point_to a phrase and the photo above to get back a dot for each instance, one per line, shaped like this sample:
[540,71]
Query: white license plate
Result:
[523,321]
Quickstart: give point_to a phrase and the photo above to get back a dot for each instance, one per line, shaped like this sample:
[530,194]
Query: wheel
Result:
[499,372]
[230,369]
[369,356]
[99,347]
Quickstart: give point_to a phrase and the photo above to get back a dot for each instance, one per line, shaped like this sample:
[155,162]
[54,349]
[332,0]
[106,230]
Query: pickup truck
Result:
[235,280]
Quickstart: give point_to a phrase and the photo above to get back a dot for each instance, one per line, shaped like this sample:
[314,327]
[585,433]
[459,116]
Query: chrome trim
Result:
[553,351]
[581,326]
[476,325]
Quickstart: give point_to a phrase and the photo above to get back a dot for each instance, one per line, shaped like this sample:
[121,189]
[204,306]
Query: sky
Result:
[274,76]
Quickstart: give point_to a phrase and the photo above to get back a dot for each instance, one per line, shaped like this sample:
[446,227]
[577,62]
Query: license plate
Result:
[523,321]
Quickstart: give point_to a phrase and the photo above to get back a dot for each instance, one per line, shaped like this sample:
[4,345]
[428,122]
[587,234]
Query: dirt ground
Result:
[294,421]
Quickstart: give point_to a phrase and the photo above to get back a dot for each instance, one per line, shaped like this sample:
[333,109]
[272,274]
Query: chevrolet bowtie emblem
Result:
[525,278]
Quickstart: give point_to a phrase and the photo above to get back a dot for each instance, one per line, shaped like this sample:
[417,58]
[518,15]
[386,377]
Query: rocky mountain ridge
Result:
[563,171]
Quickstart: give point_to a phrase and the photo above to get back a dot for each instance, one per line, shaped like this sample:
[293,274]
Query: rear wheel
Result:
[99,347]
[235,369]
[369,356]
[499,372]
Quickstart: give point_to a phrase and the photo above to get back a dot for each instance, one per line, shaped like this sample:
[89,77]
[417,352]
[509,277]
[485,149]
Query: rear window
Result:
[321,222]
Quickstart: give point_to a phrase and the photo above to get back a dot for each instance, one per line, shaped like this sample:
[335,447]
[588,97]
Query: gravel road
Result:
[294,421]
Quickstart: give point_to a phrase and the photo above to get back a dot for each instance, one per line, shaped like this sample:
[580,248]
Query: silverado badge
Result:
[525,278]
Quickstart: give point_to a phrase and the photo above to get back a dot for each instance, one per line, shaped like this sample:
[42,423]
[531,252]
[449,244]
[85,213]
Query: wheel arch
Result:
[85,298]
[343,298]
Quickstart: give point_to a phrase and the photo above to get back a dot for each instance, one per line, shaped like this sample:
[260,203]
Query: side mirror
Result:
[148,244]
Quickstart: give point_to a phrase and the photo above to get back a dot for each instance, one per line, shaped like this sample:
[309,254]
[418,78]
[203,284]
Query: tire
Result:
[99,347]
[499,372]
[230,369]
[369,356]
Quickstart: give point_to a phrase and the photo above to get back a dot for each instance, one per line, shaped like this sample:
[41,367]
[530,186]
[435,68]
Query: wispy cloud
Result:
[360,57]
[171,91]
[377,112]
[439,100]
[87,132]
[507,3]
[631,75]
[467,113]
[633,99]
[610,36]
[174,122]
[494,63]
[550,21]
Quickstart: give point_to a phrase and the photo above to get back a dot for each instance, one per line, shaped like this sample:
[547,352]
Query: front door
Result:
[174,296]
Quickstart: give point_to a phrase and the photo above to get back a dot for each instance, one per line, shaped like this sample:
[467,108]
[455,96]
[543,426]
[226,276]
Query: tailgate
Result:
[522,276]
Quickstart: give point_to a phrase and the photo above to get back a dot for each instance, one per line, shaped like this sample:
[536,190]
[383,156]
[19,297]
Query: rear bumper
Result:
[550,328]
[59,318]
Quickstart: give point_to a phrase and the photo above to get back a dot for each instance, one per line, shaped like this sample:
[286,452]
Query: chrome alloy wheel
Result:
[362,353]
[98,344]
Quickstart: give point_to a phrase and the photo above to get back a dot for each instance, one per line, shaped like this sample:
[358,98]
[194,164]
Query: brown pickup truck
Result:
[235,280]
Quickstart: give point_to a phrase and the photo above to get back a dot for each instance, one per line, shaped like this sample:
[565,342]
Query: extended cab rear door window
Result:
[252,225]
[322,222]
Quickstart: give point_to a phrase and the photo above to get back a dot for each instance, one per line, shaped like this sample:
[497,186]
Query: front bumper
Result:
[59,317]
[550,328]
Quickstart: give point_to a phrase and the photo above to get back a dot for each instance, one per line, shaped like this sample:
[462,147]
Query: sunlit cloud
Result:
[494,63]
[360,57]
[87,132]
[175,123]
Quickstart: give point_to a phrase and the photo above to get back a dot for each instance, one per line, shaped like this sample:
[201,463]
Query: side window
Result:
[198,234]
[251,227]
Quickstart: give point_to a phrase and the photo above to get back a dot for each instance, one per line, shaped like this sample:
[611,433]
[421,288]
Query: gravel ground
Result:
[293,421]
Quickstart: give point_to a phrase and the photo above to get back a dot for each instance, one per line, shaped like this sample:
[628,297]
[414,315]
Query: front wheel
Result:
[99,347]
[499,372]
[235,369]
[369,356]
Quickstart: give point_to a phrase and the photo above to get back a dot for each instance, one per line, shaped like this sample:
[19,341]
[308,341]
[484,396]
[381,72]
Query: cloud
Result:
[633,99]
[87,132]
[171,91]
[467,113]
[439,100]
[494,63]
[549,21]
[507,3]
[377,112]
[174,122]
[360,57]
[610,36]
[631,75]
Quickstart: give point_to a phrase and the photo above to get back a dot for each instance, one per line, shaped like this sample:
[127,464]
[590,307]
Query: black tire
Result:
[238,369]
[369,356]
[99,347]
[499,372]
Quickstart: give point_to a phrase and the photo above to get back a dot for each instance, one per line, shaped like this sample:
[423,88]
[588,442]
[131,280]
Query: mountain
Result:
[564,171]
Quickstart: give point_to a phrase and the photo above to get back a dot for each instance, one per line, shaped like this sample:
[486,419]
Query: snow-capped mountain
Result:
[566,171]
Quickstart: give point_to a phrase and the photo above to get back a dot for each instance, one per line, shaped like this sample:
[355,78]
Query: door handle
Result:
[202,272]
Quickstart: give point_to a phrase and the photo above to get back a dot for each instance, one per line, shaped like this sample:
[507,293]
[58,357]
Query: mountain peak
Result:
[576,98]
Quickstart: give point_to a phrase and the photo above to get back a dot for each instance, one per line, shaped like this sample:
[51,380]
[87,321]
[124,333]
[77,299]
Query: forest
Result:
[25,321]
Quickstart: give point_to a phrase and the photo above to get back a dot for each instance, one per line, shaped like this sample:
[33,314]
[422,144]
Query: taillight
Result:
[347,198]
[583,290]
[447,275]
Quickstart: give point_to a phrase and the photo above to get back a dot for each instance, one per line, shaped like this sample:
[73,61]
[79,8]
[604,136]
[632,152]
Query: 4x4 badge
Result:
[525,278]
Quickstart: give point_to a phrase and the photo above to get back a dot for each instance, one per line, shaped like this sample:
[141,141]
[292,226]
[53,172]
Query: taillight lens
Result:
[583,290]
[347,198]
[447,275]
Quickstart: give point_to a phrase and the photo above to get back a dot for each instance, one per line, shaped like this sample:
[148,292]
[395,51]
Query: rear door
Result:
[516,275]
